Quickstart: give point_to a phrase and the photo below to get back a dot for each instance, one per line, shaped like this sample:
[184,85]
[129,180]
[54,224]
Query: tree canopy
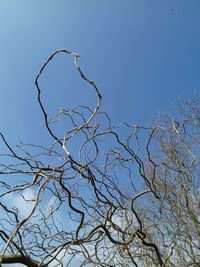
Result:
[102,194]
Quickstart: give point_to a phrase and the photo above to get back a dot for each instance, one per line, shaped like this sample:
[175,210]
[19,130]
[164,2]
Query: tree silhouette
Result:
[114,201]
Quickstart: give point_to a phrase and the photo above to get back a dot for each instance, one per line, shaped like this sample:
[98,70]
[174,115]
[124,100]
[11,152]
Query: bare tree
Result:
[91,188]
[174,170]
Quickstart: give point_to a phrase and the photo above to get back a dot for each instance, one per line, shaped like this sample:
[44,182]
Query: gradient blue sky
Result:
[141,54]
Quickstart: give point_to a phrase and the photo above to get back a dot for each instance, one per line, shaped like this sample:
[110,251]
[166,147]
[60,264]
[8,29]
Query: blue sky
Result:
[141,54]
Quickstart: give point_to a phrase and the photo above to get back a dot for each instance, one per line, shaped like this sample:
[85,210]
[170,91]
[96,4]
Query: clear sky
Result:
[141,54]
